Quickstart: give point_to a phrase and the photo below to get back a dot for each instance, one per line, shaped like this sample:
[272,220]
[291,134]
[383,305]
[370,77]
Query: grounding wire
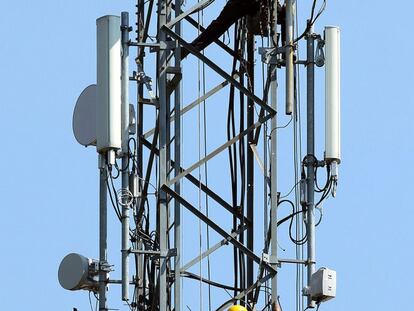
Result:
[328,177]
[193,276]
[242,35]
[294,187]
[247,305]
[300,269]
[90,301]
[182,188]
[206,197]
[265,164]
[199,68]
[312,19]
[296,165]
[232,156]
[325,194]
[113,201]
[206,171]
[96,301]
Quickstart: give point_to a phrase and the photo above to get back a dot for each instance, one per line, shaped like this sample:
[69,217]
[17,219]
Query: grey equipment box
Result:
[323,285]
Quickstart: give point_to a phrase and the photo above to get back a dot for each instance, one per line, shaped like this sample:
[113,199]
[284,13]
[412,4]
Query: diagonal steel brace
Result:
[203,187]
[218,150]
[212,249]
[218,70]
[244,293]
[217,228]
[190,11]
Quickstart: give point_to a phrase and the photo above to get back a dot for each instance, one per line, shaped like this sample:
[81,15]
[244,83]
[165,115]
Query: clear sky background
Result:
[49,188]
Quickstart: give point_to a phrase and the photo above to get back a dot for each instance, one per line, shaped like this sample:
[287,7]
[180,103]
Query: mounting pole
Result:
[125,151]
[273,169]
[163,142]
[310,216]
[140,30]
[103,234]
[177,170]
[289,56]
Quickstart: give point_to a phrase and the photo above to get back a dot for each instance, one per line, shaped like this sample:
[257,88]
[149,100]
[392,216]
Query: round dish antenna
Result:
[78,272]
[84,117]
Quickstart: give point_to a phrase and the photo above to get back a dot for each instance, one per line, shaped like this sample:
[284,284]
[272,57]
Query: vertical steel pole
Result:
[310,72]
[103,244]
[250,164]
[273,168]
[289,57]
[125,155]
[163,116]
[177,164]
[140,130]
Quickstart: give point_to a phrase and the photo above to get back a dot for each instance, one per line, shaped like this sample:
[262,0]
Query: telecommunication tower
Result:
[140,140]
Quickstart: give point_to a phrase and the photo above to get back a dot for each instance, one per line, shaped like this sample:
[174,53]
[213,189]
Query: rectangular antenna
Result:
[332,94]
[108,115]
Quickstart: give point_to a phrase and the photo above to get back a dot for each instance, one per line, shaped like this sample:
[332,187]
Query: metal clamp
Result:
[320,55]
[169,253]
[165,254]
[270,56]
[313,161]
[104,266]
[270,259]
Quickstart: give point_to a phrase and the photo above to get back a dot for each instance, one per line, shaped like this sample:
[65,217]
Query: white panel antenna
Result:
[108,83]
[332,95]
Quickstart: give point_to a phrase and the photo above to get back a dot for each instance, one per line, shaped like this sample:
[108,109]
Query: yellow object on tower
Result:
[237,308]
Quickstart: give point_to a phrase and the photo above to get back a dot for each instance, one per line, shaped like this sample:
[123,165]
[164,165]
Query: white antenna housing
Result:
[108,83]
[332,95]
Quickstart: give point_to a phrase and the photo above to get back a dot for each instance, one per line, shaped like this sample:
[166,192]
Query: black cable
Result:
[283,220]
[232,153]
[115,206]
[117,170]
[320,217]
[325,194]
[90,301]
[315,163]
[311,20]
[233,300]
[313,10]
[323,7]
[290,217]
[130,155]
[242,157]
[96,301]
[328,176]
[193,276]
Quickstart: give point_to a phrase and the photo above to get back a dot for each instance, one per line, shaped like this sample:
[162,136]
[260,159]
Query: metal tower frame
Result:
[170,27]
[158,267]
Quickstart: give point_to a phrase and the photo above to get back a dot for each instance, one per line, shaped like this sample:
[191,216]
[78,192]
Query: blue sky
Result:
[50,184]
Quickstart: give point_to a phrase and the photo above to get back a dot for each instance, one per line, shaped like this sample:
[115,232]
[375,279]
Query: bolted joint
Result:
[168,253]
[104,266]
[126,28]
[311,160]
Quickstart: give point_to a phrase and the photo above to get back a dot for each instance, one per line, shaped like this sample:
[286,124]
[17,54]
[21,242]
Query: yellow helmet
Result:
[237,308]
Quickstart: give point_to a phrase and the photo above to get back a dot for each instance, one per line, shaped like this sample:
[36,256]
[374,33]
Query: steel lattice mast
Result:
[152,267]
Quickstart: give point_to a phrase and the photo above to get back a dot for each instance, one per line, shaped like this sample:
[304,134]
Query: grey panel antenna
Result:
[84,117]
